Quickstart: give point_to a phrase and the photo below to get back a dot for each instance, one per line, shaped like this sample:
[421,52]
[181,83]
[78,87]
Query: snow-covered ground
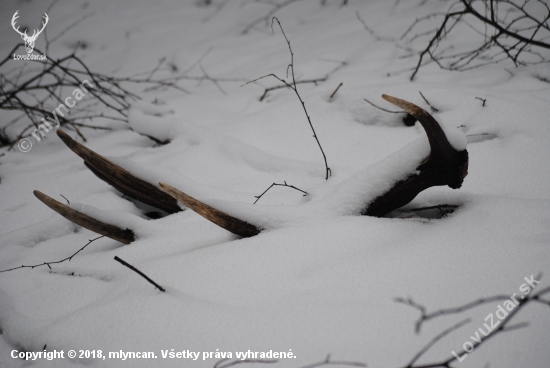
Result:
[320,280]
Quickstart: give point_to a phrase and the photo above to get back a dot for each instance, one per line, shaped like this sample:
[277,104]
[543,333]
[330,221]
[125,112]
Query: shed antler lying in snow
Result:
[120,178]
[124,236]
[444,166]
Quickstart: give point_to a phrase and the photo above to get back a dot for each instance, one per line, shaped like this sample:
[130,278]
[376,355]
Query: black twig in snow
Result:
[428,102]
[54,262]
[292,85]
[139,273]
[282,185]
[503,325]
[336,90]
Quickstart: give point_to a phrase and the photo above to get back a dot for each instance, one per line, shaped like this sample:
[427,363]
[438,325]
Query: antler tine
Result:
[229,223]
[46,19]
[125,236]
[36,32]
[13,21]
[439,144]
[120,178]
[444,166]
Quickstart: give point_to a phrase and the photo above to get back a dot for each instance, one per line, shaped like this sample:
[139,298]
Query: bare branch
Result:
[282,185]
[139,273]
[293,86]
[268,16]
[336,90]
[69,258]
[429,104]
[507,34]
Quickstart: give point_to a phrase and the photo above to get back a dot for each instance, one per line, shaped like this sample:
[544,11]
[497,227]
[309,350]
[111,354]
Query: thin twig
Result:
[293,86]
[482,99]
[139,273]
[429,104]
[303,81]
[436,339]
[282,185]
[54,262]
[425,316]
[439,207]
[507,34]
[503,326]
[381,108]
[408,119]
[336,90]
[368,29]
[268,16]
[65,198]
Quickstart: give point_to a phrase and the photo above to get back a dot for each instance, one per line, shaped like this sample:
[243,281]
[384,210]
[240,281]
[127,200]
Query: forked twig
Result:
[502,326]
[303,81]
[293,86]
[282,185]
[506,28]
[482,99]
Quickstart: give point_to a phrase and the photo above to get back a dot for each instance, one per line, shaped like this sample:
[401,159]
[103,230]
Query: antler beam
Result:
[121,179]
[229,223]
[444,166]
[125,236]
[14,21]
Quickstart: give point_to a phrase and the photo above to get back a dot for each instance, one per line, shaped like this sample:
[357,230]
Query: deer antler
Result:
[124,236]
[121,179]
[29,40]
[229,223]
[13,20]
[444,166]
[34,33]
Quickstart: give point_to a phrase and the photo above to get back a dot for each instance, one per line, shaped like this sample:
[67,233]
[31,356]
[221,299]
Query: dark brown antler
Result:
[124,236]
[121,179]
[444,166]
[230,223]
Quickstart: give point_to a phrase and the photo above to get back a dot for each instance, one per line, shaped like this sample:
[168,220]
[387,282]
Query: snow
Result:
[320,279]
